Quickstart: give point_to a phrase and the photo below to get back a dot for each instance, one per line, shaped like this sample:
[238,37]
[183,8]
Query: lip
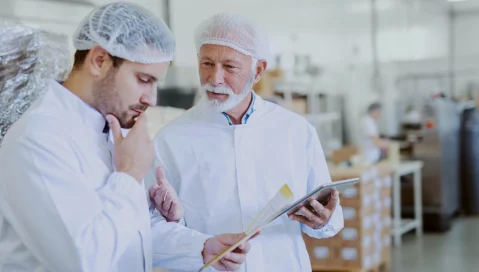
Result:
[216,95]
[139,112]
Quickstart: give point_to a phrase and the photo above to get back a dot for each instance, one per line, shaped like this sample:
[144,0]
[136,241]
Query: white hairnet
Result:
[235,32]
[126,31]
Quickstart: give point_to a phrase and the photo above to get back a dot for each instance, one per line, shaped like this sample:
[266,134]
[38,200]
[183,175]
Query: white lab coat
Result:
[369,129]
[225,175]
[62,206]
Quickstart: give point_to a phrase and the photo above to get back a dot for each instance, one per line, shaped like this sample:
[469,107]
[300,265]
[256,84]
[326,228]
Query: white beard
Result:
[233,99]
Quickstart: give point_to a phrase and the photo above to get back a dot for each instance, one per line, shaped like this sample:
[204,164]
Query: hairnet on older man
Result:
[233,31]
[127,31]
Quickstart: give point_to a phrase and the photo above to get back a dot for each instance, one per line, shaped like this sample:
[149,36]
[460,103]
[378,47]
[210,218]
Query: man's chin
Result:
[128,124]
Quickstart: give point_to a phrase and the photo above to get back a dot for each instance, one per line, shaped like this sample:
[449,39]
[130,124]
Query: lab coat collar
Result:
[72,103]
[211,115]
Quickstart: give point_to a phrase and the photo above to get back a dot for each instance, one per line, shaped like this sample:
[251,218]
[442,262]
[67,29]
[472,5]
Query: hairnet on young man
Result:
[126,31]
[233,31]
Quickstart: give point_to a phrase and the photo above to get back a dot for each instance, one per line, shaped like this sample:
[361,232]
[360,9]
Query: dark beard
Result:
[107,100]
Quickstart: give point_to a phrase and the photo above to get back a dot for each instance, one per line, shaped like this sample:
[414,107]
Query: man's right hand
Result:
[214,246]
[134,154]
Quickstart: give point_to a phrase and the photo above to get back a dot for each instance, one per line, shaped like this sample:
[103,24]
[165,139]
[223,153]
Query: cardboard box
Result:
[361,195]
[386,192]
[323,252]
[358,217]
[357,257]
[299,105]
[343,154]
[350,236]
[324,256]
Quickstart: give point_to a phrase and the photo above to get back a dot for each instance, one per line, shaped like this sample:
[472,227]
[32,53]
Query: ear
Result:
[260,69]
[98,61]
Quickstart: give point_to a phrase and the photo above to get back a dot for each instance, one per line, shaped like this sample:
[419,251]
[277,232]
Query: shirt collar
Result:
[248,113]
[73,104]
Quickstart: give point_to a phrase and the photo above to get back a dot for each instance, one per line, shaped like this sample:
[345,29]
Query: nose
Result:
[217,76]
[149,98]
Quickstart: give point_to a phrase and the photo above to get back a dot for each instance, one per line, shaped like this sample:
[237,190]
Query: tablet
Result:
[321,193]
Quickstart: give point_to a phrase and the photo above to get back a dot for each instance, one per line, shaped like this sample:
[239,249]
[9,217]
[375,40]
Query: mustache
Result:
[139,107]
[217,89]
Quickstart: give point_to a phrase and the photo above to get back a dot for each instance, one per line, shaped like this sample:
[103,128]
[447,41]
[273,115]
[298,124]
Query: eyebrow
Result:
[149,76]
[230,61]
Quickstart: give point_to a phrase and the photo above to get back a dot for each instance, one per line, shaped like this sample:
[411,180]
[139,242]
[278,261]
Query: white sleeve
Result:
[370,127]
[175,246]
[65,224]
[319,174]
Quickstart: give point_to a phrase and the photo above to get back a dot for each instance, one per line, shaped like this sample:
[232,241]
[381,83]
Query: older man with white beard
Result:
[229,155]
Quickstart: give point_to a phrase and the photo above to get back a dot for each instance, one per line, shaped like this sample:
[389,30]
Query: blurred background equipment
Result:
[28,58]
[330,60]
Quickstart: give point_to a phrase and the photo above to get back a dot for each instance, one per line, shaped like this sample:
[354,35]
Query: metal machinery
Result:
[439,149]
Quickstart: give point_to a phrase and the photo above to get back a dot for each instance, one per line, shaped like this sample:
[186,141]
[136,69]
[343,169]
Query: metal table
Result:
[401,226]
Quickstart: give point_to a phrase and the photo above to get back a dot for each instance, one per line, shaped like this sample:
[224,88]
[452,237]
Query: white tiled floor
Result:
[456,250]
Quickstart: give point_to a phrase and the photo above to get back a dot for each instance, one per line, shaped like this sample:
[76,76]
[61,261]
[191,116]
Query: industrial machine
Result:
[439,149]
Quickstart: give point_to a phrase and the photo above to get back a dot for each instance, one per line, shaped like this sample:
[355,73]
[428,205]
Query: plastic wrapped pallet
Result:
[364,242]
[28,57]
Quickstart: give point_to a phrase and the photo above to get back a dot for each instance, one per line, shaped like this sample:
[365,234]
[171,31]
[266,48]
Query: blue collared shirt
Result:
[247,114]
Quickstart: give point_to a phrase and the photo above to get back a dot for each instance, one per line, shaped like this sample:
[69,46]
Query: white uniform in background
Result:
[369,128]
[225,174]
[62,208]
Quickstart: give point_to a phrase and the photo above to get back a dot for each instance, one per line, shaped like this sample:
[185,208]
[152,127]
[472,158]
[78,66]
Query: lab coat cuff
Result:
[199,245]
[123,183]
[330,229]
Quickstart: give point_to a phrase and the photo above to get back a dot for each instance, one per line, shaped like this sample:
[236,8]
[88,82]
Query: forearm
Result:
[175,246]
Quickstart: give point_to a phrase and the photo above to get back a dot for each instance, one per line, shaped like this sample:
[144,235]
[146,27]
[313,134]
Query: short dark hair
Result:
[374,107]
[80,56]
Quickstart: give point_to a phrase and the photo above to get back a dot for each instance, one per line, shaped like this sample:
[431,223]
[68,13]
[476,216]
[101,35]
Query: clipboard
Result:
[284,197]
[322,192]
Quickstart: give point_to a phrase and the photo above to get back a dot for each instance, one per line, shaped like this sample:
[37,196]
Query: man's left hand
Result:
[316,215]
[165,198]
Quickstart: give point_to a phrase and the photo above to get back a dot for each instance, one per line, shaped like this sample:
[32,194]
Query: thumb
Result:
[115,128]
[231,239]
[333,200]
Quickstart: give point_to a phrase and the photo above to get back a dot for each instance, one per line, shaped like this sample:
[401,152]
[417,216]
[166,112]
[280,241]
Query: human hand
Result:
[232,261]
[134,154]
[316,215]
[165,198]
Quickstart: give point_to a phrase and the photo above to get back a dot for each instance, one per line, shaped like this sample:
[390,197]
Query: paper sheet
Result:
[281,200]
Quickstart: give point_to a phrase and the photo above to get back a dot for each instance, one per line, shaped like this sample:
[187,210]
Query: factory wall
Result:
[466,53]
[338,35]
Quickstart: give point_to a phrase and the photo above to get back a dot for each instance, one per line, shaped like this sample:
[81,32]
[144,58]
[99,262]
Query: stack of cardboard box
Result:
[364,243]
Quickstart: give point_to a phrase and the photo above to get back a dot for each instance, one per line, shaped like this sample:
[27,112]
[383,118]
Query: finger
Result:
[333,201]
[167,202]
[307,213]
[302,220]
[229,266]
[160,175]
[231,239]
[115,128]
[318,207]
[256,234]
[140,123]
[236,258]
[159,199]
[243,248]
[152,190]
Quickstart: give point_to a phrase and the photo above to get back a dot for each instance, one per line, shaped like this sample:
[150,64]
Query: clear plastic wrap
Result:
[28,58]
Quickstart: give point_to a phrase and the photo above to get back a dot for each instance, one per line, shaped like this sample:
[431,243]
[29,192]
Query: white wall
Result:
[335,33]
[57,17]
[466,51]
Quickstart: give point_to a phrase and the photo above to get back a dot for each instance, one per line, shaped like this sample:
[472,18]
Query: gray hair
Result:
[374,107]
